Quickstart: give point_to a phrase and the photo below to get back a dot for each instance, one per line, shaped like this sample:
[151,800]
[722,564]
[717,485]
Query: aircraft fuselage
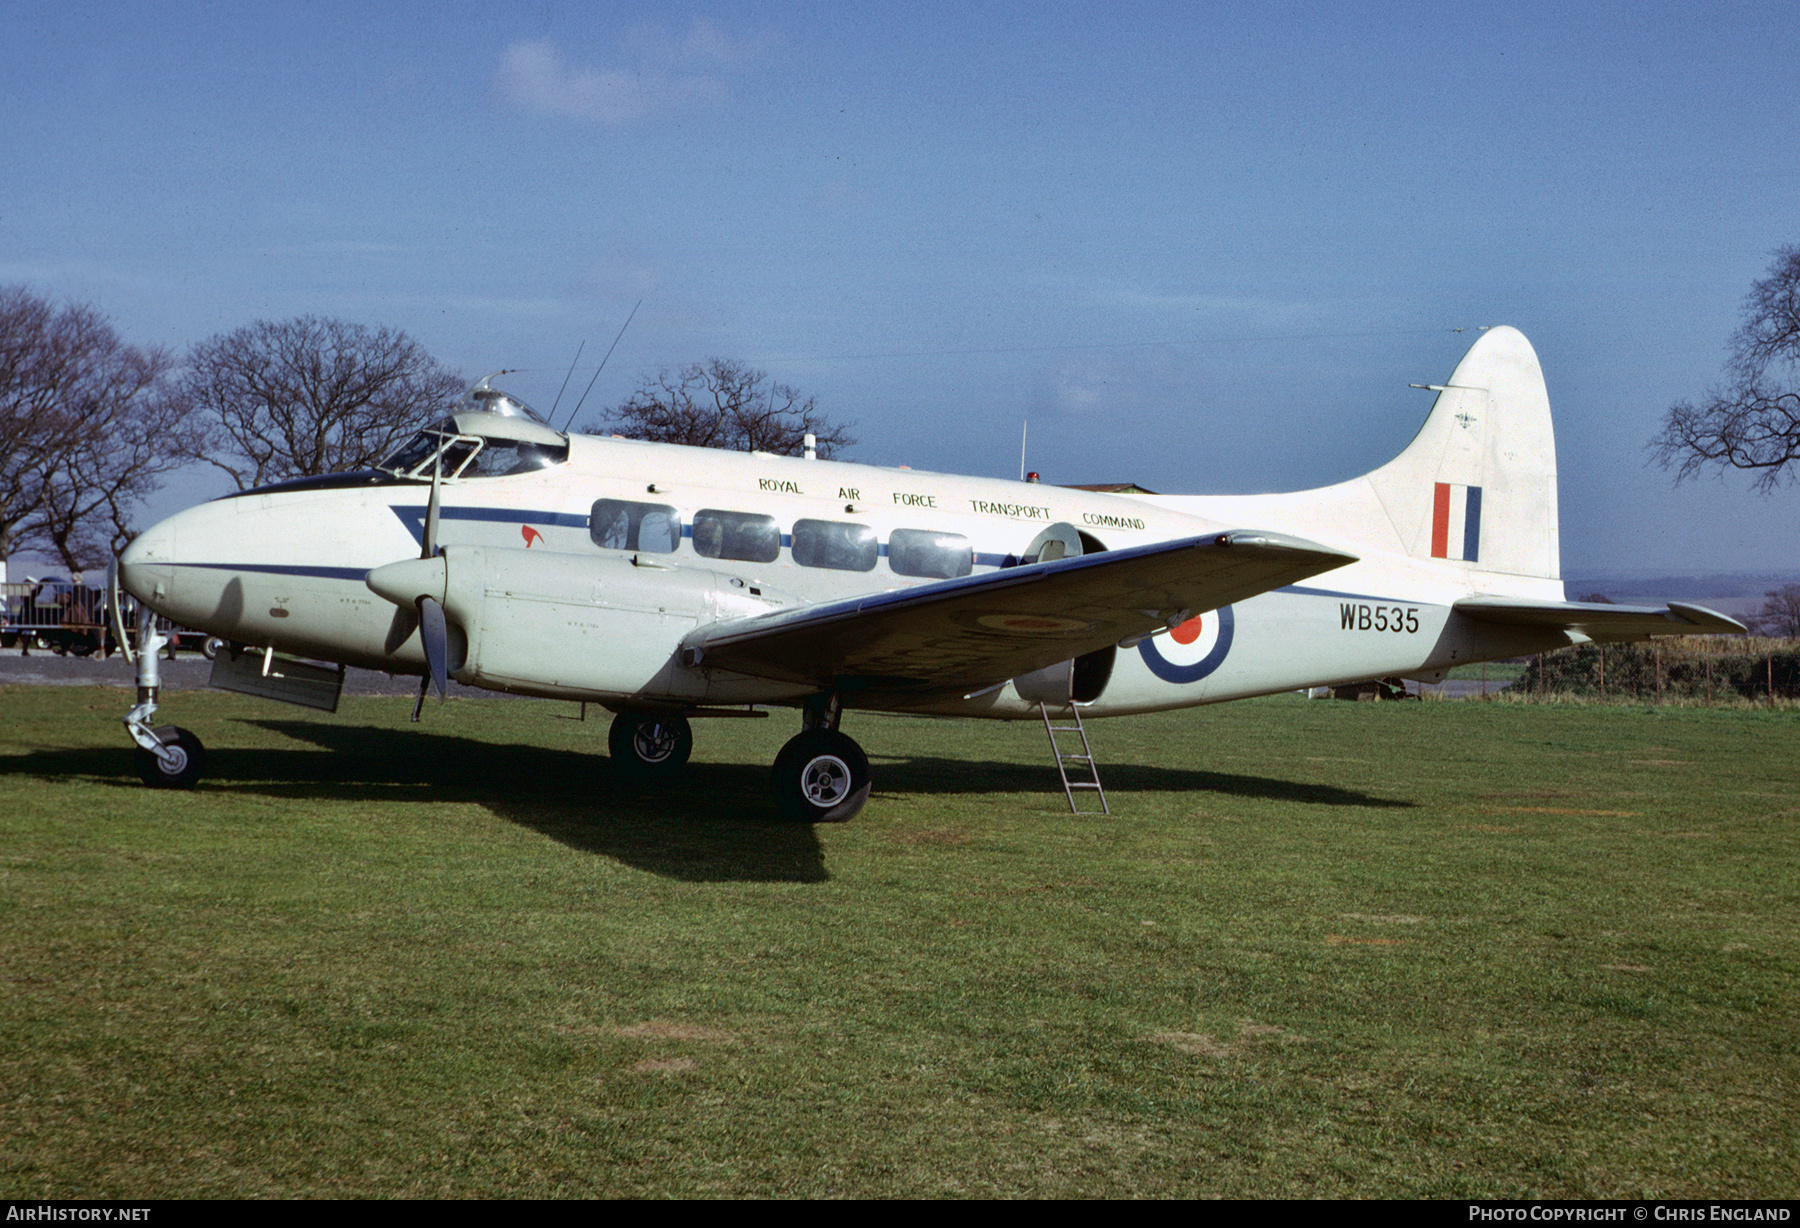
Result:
[287,569]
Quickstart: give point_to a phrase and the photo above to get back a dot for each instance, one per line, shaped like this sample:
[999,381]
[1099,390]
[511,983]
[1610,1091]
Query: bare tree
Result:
[310,396]
[1780,613]
[88,425]
[726,404]
[142,429]
[1753,420]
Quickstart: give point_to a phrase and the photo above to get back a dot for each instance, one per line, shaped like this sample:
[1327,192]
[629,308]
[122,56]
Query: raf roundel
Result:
[1192,650]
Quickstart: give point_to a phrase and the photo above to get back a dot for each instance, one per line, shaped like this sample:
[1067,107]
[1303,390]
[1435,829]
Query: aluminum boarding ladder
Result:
[1085,756]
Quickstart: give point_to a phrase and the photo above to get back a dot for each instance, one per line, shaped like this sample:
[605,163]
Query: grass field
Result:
[1411,950]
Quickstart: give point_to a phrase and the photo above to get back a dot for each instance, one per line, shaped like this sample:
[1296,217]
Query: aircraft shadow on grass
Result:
[711,824]
[925,774]
[714,793]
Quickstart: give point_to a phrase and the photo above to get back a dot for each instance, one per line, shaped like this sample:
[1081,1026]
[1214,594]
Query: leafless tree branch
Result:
[309,396]
[88,425]
[722,403]
[1753,421]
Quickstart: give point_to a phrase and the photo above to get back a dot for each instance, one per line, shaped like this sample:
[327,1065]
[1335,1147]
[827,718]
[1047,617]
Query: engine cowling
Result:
[544,623]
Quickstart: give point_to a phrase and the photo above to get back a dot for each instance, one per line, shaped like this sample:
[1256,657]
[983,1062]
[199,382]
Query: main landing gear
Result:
[820,776]
[650,747]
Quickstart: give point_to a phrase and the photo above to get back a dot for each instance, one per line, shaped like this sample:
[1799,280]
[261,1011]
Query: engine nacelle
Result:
[1081,680]
[543,623]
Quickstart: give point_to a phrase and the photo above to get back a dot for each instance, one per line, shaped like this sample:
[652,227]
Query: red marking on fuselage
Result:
[530,535]
[1188,631]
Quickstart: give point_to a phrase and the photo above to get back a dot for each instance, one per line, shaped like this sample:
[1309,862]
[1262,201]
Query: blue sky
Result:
[1203,247]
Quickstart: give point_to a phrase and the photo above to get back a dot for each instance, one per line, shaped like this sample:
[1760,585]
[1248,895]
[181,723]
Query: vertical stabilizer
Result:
[1477,485]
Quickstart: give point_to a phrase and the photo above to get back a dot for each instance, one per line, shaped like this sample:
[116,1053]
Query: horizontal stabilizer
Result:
[983,629]
[1600,621]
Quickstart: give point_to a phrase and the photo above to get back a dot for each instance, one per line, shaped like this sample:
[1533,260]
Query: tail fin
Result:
[1476,488]
[1477,485]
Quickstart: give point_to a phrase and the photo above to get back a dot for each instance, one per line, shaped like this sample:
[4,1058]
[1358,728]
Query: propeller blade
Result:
[431,509]
[434,636]
[400,629]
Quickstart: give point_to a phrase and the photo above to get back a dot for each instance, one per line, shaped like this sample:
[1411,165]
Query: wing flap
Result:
[983,629]
[1599,621]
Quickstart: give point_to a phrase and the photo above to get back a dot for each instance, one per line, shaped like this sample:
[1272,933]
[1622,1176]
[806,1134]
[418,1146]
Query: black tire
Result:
[821,776]
[190,758]
[212,647]
[650,747]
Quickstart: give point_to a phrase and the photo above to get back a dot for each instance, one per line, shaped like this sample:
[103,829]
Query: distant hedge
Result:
[1695,667]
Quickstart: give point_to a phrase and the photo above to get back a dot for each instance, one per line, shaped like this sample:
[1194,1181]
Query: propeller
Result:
[432,633]
[416,587]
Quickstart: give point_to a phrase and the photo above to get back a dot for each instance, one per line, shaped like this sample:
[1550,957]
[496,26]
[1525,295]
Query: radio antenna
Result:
[602,366]
[565,384]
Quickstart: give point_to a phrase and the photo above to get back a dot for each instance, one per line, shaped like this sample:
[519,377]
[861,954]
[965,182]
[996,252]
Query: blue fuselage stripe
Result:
[285,569]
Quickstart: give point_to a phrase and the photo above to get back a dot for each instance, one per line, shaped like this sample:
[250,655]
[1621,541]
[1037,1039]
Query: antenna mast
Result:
[602,366]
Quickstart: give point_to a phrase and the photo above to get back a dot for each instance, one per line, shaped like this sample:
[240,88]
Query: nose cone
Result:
[144,567]
[403,583]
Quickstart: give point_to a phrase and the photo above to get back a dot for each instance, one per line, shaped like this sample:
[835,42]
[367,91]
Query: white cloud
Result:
[704,43]
[667,75]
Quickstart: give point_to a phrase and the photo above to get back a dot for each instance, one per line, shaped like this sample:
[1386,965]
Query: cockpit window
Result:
[417,451]
[500,458]
[489,435]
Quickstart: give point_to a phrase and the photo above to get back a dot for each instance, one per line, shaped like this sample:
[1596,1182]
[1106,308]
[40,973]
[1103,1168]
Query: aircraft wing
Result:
[1599,621]
[983,629]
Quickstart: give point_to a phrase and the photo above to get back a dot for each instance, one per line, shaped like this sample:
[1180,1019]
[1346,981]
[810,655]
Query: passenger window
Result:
[654,528]
[835,545]
[736,535]
[935,556]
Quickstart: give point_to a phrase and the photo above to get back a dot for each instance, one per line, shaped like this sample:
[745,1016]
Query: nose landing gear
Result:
[168,756]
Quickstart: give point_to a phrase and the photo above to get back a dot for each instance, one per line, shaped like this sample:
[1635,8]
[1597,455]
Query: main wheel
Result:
[650,746]
[183,767]
[821,776]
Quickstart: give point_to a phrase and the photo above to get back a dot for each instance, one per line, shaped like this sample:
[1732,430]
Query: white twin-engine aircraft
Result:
[670,583]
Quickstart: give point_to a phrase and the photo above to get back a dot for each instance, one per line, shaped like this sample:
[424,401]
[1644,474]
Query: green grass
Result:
[1411,950]
[1493,671]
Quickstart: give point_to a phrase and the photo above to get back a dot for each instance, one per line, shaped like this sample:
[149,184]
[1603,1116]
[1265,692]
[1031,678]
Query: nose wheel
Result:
[821,776]
[179,764]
